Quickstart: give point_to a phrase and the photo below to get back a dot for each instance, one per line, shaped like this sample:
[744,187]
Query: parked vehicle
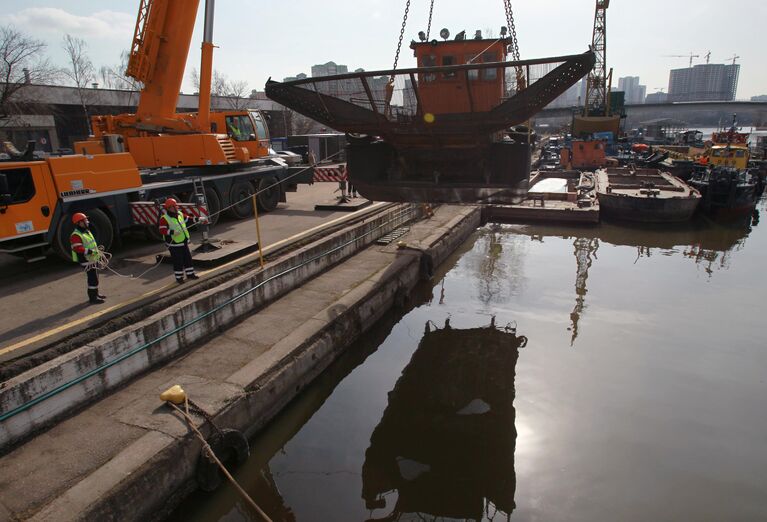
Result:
[212,160]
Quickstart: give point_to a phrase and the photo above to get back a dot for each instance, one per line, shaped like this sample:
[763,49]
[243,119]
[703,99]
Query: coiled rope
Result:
[103,260]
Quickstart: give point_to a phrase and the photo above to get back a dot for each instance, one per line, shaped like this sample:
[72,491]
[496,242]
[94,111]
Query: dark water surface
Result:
[624,377]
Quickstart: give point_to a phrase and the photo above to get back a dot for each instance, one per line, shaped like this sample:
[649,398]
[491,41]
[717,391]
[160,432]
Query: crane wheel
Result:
[100,225]
[240,197]
[270,197]
[214,204]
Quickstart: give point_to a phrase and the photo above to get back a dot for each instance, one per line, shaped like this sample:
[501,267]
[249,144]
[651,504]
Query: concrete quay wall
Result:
[87,373]
[138,481]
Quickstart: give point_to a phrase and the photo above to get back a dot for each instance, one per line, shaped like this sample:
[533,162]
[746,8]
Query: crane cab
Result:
[246,128]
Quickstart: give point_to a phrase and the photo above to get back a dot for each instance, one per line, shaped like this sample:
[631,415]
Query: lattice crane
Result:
[597,114]
[596,83]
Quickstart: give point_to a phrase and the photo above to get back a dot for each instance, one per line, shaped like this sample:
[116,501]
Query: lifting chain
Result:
[512,30]
[520,73]
[399,44]
[428,28]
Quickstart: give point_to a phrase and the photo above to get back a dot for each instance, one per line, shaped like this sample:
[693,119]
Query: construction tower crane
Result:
[733,58]
[597,115]
[690,56]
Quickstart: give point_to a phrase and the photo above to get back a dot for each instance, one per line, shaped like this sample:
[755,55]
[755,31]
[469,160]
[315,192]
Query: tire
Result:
[230,447]
[240,197]
[100,225]
[269,199]
[214,204]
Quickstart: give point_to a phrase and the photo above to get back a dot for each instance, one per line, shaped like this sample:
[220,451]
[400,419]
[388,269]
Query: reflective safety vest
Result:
[89,243]
[177,226]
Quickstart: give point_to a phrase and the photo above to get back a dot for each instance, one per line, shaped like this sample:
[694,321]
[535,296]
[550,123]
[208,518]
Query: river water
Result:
[547,373]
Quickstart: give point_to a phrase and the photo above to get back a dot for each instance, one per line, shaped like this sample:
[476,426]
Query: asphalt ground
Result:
[47,299]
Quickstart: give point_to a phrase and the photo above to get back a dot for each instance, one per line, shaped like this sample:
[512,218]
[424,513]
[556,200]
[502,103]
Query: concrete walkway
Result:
[47,296]
[122,457]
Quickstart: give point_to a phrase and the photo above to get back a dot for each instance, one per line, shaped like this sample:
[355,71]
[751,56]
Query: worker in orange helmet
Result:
[173,229]
[85,251]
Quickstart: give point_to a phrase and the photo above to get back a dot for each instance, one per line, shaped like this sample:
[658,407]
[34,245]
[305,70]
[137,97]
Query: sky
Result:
[258,39]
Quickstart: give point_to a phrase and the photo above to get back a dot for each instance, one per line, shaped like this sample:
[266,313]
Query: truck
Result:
[132,162]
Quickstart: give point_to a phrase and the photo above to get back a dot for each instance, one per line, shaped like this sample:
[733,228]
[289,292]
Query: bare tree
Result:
[235,93]
[297,124]
[22,63]
[114,77]
[80,71]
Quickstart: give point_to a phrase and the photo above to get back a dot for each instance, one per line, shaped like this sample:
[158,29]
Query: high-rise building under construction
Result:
[704,82]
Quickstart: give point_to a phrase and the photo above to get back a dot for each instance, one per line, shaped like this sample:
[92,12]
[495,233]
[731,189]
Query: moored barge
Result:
[644,195]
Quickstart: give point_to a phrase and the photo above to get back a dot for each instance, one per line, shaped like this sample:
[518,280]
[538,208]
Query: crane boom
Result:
[156,135]
[596,83]
[158,55]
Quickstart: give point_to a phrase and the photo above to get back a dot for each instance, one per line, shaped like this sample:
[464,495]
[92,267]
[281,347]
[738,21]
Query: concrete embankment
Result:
[35,398]
[122,457]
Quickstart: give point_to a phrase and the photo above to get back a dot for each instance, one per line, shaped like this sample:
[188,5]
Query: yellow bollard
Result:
[174,394]
[258,232]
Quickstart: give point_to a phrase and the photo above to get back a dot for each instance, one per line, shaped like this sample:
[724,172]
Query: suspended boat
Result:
[441,132]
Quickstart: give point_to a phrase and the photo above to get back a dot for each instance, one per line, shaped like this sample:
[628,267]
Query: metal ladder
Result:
[199,195]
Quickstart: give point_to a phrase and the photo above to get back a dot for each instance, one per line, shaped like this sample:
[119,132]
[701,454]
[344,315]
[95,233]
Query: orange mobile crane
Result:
[134,161]
[156,135]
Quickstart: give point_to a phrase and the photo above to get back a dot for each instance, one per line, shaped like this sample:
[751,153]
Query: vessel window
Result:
[489,74]
[473,73]
[448,60]
[21,187]
[429,61]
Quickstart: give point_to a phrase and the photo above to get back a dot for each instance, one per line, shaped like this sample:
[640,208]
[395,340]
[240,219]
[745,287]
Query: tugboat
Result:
[728,191]
[441,132]
[728,185]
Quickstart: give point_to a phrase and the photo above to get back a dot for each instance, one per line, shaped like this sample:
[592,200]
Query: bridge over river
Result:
[700,114]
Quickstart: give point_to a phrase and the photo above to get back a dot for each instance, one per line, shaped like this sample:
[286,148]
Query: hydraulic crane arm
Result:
[158,55]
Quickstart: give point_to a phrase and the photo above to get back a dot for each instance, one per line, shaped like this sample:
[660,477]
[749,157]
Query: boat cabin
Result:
[465,91]
[729,156]
[584,154]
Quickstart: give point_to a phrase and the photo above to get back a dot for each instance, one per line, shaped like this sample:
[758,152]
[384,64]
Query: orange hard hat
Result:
[77,217]
[170,202]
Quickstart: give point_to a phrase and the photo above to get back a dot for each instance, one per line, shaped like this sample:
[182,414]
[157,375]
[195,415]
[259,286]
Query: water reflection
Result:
[492,270]
[707,243]
[585,250]
[445,444]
